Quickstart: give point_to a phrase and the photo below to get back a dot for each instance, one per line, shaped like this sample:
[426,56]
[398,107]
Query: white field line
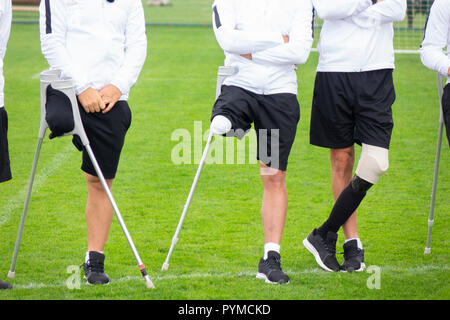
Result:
[36,76]
[244,274]
[16,202]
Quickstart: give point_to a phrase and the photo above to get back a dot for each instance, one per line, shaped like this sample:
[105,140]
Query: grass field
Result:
[222,239]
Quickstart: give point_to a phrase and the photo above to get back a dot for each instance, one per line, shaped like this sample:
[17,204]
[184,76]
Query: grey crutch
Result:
[222,74]
[66,87]
[440,80]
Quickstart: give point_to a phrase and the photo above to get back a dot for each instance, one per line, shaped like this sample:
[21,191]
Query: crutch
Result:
[222,74]
[66,86]
[440,80]
[46,78]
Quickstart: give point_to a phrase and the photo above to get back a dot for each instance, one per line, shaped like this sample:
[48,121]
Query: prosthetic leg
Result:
[222,74]
[66,86]
[440,80]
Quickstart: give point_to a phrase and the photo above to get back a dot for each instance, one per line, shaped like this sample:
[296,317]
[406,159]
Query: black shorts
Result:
[351,107]
[106,133]
[446,110]
[5,167]
[275,117]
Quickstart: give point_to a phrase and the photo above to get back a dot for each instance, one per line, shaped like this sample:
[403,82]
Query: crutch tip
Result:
[149,284]
[11,274]
[427,251]
[165,267]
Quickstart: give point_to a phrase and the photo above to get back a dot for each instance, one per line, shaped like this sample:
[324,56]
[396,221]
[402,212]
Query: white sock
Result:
[271,246]
[359,243]
[86,258]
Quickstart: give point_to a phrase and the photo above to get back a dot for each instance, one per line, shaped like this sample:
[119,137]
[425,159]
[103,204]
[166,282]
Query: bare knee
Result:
[94,184]
[273,178]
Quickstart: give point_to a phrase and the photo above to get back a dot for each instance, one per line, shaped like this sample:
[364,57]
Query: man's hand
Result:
[110,95]
[449,71]
[91,100]
[286,38]
[247,56]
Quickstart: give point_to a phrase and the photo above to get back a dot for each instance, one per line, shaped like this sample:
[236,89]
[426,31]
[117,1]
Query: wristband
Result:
[374,1]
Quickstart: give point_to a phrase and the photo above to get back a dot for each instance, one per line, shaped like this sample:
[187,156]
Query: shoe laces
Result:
[351,252]
[94,266]
[274,262]
[330,245]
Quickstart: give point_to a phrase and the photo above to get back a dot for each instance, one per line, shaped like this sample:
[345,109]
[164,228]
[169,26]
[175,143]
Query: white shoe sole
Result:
[361,268]
[316,255]
[262,276]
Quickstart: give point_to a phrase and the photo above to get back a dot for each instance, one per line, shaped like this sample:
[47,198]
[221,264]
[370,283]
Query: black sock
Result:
[344,207]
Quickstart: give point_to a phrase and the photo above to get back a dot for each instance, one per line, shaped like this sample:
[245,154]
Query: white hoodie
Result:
[5,28]
[95,42]
[357,35]
[257,27]
[437,37]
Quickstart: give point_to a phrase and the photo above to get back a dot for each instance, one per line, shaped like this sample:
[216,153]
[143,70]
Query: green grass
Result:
[222,238]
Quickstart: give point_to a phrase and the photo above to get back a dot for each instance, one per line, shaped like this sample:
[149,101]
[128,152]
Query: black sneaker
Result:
[324,250]
[353,257]
[270,269]
[94,269]
[5,285]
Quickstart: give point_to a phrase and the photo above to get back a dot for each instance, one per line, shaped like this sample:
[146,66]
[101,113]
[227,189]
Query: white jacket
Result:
[437,37]
[257,27]
[95,42]
[5,28]
[357,35]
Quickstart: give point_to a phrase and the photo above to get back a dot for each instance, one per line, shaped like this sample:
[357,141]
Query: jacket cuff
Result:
[121,86]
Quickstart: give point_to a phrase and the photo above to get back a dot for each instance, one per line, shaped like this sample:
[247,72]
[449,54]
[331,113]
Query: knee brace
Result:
[220,125]
[373,163]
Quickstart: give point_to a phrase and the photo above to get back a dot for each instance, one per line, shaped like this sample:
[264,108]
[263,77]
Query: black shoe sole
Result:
[96,283]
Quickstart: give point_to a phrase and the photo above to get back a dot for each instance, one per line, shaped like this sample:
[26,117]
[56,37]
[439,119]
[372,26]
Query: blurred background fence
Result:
[197,13]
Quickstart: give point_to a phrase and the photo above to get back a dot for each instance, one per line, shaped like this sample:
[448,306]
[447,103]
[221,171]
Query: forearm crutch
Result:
[46,77]
[440,80]
[222,74]
[66,87]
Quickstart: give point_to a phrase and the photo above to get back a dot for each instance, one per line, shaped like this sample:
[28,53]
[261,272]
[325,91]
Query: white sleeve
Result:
[53,28]
[435,40]
[339,9]
[136,49]
[385,11]
[297,50]
[239,41]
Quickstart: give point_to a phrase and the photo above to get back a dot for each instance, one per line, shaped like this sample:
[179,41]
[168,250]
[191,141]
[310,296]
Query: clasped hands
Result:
[103,100]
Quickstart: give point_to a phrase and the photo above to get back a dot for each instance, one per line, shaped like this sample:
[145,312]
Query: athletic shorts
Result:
[351,107]
[5,167]
[446,110]
[275,118]
[106,133]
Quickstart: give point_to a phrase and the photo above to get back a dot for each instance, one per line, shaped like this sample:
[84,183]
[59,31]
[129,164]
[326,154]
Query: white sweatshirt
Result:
[5,28]
[257,27]
[357,35]
[437,37]
[94,42]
